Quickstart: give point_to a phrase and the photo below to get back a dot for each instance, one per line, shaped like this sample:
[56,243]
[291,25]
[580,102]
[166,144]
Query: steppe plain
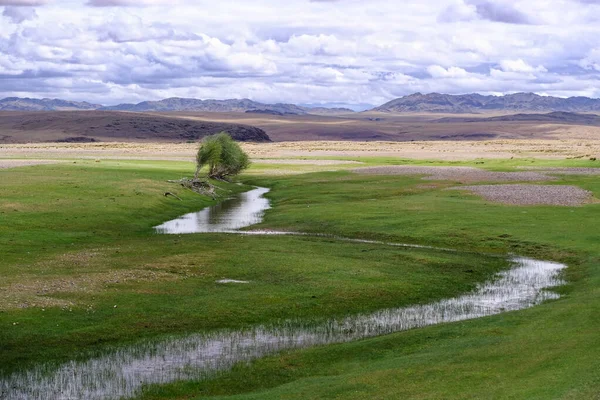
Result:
[84,273]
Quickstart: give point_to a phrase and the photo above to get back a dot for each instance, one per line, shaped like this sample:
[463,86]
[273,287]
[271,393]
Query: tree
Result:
[223,156]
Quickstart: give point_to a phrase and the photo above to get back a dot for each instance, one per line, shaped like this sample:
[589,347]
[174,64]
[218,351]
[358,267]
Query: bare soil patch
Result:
[525,195]
[303,162]
[430,150]
[565,170]
[89,271]
[457,174]
[23,163]
[35,292]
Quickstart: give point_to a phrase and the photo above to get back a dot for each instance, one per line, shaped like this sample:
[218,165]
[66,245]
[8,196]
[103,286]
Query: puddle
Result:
[241,211]
[124,372]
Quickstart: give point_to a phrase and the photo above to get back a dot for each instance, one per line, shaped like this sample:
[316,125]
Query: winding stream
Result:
[124,372]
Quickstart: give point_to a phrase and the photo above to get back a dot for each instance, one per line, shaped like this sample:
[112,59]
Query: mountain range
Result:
[27,104]
[166,105]
[555,117]
[476,103]
[417,102]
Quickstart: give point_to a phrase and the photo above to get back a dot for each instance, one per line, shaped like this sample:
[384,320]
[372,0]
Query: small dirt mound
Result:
[456,174]
[199,186]
[529,195]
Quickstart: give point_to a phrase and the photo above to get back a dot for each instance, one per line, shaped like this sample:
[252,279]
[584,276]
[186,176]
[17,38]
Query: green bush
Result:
[223,156]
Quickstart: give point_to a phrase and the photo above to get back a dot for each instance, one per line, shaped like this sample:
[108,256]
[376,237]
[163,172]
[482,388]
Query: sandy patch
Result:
[229,281]
[303,162]
[456,174]
[36,292]
[524,195]
[88,273]
[565,170]
[434,150]
[23,163]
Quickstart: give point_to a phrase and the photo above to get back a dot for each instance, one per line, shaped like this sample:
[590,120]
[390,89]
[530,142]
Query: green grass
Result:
[72,221]
[91,226]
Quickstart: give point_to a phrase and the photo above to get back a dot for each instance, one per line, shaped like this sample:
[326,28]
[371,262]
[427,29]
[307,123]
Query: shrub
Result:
[223,156]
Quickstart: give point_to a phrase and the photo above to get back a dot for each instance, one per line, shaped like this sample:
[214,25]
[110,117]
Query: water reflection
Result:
[243,210]
[123,373]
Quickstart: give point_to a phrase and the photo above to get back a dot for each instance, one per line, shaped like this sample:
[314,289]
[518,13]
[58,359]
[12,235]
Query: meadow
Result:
[83,273]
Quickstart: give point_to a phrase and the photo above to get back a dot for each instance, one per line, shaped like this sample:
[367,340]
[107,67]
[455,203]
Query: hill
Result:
[557,117]
[169,105]
[27,104]
[87,126]
[476,103]
[231,105]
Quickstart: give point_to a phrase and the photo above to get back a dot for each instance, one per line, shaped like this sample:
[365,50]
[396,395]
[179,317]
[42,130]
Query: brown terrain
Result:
[101,126]
[113,126]
[375,126]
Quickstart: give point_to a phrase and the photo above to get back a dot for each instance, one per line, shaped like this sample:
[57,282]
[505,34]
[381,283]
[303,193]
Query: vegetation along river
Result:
[124,372]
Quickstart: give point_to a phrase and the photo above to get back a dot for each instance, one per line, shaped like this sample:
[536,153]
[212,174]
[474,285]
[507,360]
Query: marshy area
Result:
[117,308]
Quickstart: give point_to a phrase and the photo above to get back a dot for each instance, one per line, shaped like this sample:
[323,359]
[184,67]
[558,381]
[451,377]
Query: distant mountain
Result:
[231,105]
[181,104]
[166,105]
[328,111]
[476,103]
[26,104]
[556,117]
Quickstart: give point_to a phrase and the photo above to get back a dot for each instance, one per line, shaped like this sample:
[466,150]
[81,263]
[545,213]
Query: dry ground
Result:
[24,163]
[28,127]
[374,126]
[529,195]
[456,174]
[434,150]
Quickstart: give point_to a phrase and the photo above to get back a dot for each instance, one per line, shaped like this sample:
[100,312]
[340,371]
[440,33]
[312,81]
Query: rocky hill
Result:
[231,105]
[168,105]
[557,117]
[476,103]
[27,104]
[81,126]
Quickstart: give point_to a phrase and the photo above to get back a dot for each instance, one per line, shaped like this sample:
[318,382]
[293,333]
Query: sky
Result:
[320,52]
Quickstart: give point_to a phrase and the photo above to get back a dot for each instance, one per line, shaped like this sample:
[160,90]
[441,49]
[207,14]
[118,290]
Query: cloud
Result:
[470,10]
[130,3]
[440,72]
[500,12]
[369,53]
[23,3]
[19,14]
[520,66]
[592,60]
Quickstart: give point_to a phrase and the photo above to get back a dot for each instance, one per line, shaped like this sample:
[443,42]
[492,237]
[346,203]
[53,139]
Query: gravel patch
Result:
[23,163]
[525,195]
[303,162]
[456,174]
[565,170]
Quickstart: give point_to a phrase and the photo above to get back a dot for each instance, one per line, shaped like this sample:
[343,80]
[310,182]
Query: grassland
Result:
[83,272]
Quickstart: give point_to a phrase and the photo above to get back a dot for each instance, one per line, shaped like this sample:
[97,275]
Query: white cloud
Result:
[301,51]
[520,66]
[591,60]
[132,3]
[23,3]
[19,14]
[440,72]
